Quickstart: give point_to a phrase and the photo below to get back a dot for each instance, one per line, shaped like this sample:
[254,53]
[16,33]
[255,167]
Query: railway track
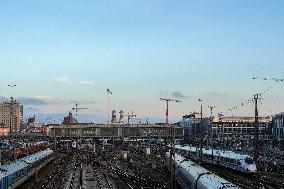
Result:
[132,181]
[243,180]
[123,176]
[272,184]
[146,170]
[52,181]
[146,178]
[141,169]
[126,178]
[73,178]
[62,176]
[102,180]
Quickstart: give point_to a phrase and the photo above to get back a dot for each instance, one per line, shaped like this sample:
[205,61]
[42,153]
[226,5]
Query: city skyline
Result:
[59,53]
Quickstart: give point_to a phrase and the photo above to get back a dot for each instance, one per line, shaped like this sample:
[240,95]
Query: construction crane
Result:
[167,110]
[211,110]
[172,143]
[76,109]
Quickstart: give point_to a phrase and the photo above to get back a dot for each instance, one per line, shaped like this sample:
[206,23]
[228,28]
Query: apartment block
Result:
[11,115]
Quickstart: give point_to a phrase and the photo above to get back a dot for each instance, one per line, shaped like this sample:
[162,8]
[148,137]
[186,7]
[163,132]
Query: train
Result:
[29,148]
[228,159]
[20,169]
[192,176]
[5,145]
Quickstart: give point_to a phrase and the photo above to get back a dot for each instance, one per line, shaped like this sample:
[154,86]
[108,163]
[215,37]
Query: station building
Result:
[90,130]
[277,128]
[225,127]
[239,127]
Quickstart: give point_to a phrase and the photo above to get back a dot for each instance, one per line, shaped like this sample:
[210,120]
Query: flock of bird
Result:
[276,81]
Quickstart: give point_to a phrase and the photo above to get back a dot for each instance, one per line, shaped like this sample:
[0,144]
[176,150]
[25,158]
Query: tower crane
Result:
[167,110]
[76,109]
[172,141]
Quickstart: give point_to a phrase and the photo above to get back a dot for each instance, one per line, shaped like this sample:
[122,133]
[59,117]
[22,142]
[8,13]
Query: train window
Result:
[249,160]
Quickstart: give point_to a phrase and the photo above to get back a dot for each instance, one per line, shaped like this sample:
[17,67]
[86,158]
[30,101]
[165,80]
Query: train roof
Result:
[211,180]
[10,168]
[37,156]
[225,154]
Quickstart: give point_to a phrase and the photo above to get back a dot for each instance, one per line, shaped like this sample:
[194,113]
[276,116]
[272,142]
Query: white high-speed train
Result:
[191,176]
[229,159]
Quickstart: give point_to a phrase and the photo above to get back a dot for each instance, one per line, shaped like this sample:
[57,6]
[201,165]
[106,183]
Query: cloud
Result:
[3,98]
[58,117]
[30,109]
[174,94]
[178,94]
[82,102]
[164,93]
[64,79]
[217,94]
[37,100]
[83,82]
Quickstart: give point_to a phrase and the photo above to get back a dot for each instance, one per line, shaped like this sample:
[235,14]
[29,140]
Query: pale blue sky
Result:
[65,51]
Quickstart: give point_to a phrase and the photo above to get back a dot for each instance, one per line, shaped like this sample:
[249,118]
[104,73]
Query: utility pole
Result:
[201,134]
[172,150]
[219,125]
[256,132]
[108,94]
[212,139]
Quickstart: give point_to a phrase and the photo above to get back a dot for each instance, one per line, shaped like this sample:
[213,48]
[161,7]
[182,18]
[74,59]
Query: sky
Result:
[59,53]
